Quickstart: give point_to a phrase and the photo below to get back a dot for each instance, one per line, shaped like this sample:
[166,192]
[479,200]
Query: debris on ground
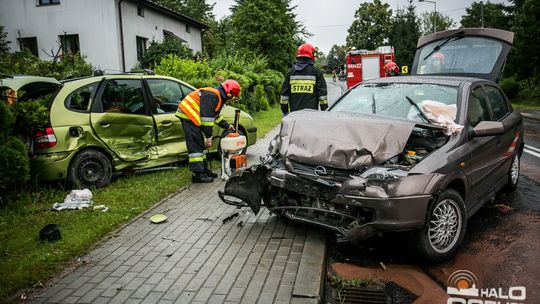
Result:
[169,239]
[504,208]
[51,233]
[103,208]
[383,266]
[204,219]
[158,218]
[230,217]
[76,199]
[240,224]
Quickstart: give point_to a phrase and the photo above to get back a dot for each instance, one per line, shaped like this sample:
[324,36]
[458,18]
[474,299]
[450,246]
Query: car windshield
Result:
[459,55]
[399,100]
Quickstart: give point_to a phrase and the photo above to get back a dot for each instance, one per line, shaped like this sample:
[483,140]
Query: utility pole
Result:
[482,12]
[434,14]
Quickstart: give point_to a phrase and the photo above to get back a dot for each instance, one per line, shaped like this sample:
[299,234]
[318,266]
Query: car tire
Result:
[513,175]
[438,241]
[90,169]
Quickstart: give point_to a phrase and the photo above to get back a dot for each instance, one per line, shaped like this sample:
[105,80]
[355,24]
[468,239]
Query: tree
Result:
[197,9]
[156,51]
[527,43]
[218,38]
[4,43]
[442,22]
[266,27]
[371,26]
[336,57]
[404,34]
[496,15]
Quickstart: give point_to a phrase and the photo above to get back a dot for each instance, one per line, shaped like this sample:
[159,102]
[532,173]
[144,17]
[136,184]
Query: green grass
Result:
[26,262]
[530,104]
[267,120]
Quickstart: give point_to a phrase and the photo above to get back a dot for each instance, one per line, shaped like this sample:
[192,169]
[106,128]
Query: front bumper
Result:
[356,208]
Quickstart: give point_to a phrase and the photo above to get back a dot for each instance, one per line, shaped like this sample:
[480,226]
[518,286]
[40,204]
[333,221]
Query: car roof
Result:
[453,81]
[86,80]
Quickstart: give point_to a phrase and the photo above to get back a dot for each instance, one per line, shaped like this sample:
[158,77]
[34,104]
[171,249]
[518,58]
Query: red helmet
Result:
[231,86]
[391,66]
[306,50]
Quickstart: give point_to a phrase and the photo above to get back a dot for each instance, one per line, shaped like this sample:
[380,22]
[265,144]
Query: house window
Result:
[188,28]
[70,43]
[29,43]
[141,47]
[140,11]
[48,2]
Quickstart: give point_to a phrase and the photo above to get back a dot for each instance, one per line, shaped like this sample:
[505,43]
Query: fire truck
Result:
[363,64]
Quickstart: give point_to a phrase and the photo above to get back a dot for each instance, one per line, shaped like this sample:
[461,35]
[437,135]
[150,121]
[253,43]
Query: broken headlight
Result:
[383,173]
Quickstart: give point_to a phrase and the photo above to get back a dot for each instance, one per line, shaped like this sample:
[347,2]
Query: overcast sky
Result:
[328,20]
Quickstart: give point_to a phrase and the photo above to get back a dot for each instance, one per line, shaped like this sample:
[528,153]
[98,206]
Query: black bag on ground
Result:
[50,233]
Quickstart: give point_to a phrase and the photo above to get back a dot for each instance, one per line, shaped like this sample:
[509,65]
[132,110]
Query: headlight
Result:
[383,173]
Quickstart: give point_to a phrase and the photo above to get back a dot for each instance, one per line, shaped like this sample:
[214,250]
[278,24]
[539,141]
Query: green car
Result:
[108,124]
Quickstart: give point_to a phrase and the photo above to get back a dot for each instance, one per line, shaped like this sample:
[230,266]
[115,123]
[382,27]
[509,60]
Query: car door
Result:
[165,94]
[482,163]
[121,119]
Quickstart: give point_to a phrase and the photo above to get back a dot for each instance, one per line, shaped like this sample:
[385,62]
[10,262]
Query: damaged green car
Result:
[110,124]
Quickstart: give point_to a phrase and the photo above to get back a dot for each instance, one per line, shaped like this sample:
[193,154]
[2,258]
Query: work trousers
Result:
[195,146]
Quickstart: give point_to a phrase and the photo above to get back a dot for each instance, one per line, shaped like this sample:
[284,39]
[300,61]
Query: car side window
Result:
[166,94]
[124,96]
[80,99]
[186,89]
[497,102]
[478,109]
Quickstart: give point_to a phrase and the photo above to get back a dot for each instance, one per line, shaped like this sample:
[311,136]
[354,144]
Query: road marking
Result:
[532,148]
[531,152]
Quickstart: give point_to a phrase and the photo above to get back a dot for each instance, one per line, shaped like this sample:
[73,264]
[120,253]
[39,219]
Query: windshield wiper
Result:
[440,45]
[422,115]
[373,107]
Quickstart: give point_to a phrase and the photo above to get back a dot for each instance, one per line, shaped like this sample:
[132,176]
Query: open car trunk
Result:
[472,52]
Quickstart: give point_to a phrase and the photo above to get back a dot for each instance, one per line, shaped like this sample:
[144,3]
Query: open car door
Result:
[469,52]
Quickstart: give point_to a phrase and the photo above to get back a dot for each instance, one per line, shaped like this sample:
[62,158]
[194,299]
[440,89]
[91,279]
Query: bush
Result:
[260,95]
[157,51]
[30,117]
[511,87]
[14,165]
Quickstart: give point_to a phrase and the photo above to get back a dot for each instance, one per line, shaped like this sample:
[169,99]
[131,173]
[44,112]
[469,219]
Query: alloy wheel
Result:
[444,226]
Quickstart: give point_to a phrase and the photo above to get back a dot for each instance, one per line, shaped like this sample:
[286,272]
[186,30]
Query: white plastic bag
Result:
[443,115]
[76,199]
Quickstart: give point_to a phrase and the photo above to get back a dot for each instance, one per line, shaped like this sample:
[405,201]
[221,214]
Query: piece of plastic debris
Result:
[76,199]
[383,266]
[240,224]
[158,218]
[23,298]
[504,208]
[50,232]
[103,208]
[230,217]
[169,239]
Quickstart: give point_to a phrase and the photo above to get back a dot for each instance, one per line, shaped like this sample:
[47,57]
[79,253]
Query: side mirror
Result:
[488,128]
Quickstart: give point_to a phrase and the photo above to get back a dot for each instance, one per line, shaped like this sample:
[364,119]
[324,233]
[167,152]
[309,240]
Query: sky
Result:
[328,20]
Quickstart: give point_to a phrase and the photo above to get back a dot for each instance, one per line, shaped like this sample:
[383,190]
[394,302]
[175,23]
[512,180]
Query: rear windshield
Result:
[475,55]
[396,99]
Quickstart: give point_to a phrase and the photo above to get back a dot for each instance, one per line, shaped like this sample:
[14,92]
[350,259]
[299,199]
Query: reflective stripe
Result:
[323,102]
[198,101]
[181,115]
[196,159]
[323,97]
[197,154]
[303,81]
[304,77]
[193,116]
[284,97]
[284,102]
[219,119]
[208,119]
[207,123]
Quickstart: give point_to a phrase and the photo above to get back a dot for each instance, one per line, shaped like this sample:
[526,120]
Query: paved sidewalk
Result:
[196,258]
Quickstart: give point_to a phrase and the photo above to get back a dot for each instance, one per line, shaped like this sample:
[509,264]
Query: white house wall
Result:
[151,26]
[93,20]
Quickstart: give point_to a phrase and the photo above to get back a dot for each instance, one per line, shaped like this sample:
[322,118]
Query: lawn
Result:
[26,262]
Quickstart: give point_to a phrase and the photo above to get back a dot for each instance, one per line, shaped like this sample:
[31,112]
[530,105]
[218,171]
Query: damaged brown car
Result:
[419,153]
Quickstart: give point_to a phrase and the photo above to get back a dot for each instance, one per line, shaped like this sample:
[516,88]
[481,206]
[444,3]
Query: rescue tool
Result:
[232,145]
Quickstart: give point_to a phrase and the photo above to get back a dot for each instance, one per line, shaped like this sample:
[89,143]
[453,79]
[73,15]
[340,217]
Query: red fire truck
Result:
[363,64]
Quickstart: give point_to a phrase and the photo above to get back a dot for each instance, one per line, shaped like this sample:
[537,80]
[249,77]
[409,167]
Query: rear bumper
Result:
[51,166]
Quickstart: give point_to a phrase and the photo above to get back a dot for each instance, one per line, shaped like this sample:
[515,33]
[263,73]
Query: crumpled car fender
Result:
[248,186]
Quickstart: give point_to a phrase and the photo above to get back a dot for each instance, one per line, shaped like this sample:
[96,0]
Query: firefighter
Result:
[391,69]
[199,111]
[304,86]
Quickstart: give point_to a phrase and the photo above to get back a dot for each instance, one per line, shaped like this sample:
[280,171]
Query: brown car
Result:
[419,153]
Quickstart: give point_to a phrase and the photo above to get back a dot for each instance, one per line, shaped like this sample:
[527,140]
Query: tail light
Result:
[45,139]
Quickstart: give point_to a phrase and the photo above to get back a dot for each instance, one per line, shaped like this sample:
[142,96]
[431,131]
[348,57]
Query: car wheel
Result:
[90,169]
[445,229]
[513,175]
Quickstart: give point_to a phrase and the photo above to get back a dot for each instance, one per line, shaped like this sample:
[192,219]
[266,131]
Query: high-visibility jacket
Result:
[202,107]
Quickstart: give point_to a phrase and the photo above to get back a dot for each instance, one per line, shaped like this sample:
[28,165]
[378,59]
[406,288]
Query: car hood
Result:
[340,139]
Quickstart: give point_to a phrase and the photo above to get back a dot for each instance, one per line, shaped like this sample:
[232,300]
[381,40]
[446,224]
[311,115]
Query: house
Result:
[112,34]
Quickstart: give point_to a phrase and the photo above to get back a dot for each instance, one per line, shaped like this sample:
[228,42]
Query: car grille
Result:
[331,173]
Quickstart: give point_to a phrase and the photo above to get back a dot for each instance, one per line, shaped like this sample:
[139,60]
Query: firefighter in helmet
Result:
[304,86]
[199,111]
[391,69]
[436,63]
